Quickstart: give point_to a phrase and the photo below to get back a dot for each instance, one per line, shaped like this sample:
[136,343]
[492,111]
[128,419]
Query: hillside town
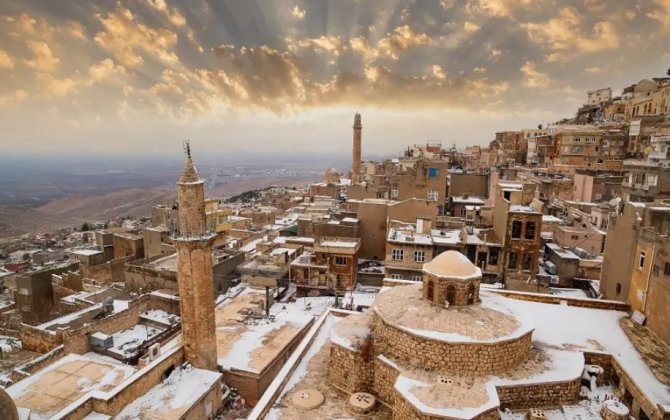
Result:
[524,279]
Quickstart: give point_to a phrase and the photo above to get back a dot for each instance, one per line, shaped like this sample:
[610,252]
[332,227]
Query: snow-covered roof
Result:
[409,236]
[467,200]
[174,396]
[454,265]
[446,236]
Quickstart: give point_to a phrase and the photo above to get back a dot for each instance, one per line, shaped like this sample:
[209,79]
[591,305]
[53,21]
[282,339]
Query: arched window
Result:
[471,294]
[451,294]
[431,290]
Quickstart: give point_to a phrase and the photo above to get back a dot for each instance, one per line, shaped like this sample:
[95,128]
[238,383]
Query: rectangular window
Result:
[340,260]
[433,194]
[23,291]
[574,237]
[527,261]
[493,256]
[640,263]
[419,256]
[417,278]
[394,192]
[397,254]
[512,260]
[396,276]
[433,172]
[666,269]
[656,270]
[530,230]
[516,229]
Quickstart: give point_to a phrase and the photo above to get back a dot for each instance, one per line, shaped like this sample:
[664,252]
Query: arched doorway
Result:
[451,294]
[430,290]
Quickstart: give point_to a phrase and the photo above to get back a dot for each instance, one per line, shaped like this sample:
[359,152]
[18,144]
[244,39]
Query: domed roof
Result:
[332,171]
[454,265]
[8,409]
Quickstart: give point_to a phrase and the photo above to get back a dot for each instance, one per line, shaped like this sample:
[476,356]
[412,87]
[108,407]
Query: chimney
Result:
[356,158]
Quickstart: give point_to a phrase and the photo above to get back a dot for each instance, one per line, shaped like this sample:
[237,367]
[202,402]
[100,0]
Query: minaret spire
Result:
[356,158]
[193,243]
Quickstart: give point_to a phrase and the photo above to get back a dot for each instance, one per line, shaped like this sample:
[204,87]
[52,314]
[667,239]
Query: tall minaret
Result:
[356,162]
[194,270]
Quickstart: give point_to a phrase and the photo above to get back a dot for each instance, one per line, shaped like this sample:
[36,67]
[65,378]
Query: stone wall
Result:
[405,411]
[464,358]
[582,303]
[384,381]
[539,395]
[349,370]
[38,340]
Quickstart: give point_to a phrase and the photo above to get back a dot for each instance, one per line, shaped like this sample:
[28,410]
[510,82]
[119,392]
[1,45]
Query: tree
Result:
[539,127]
[668,72]
[85,227]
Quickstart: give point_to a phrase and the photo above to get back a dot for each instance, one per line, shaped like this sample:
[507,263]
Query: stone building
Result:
[331,269]
[408,247]
[518,228]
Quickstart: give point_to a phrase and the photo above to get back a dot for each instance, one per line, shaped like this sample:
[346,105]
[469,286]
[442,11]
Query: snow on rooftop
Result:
[593,330]
[548,218]
[447,237]
[467,200]
[172,397]
[86,252]
[521,209]
[252,338]
[320,340]
[160,316]
[409,236]
[339,244]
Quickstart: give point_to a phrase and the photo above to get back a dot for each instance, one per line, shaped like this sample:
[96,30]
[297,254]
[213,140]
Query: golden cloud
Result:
[125,37]
[6,61]
[563,36]
[532,77]
[43,59]
[298,13]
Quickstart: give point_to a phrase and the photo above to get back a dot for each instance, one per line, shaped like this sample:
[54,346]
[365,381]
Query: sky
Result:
[286,77]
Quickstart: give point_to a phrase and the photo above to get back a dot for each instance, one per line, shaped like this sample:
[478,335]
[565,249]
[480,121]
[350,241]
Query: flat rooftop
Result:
[60,384]
[246,339]
[171,398]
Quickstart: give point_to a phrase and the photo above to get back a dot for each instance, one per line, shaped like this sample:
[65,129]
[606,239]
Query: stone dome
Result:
[452,265]
[450,279]
[8,410]
[332,176]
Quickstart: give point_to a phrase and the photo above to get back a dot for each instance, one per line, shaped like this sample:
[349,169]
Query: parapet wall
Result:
[405,411]
[464,358]
[556,300]
[553,394]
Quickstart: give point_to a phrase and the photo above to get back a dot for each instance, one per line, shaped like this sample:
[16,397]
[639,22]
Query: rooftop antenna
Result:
[187,147]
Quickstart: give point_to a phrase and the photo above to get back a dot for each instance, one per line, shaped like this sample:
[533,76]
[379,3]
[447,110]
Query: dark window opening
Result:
[512,262]
[516,229]
[493,256]
[431,290]
[530,230]
[666,269]
[618,288]
[527,261]
[507,195]
[451,294]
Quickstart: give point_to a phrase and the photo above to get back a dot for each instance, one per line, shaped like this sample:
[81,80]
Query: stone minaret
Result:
[193,241]
[356,162]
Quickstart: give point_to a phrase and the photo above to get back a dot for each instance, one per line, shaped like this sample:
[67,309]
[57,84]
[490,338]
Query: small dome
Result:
[452,264]
[8,409]
[332,176]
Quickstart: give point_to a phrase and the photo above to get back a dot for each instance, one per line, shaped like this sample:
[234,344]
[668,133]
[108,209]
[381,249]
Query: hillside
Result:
[126,202]
[15,220]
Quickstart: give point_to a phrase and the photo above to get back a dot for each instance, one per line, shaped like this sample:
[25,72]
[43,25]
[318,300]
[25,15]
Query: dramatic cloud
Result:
[174,63]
